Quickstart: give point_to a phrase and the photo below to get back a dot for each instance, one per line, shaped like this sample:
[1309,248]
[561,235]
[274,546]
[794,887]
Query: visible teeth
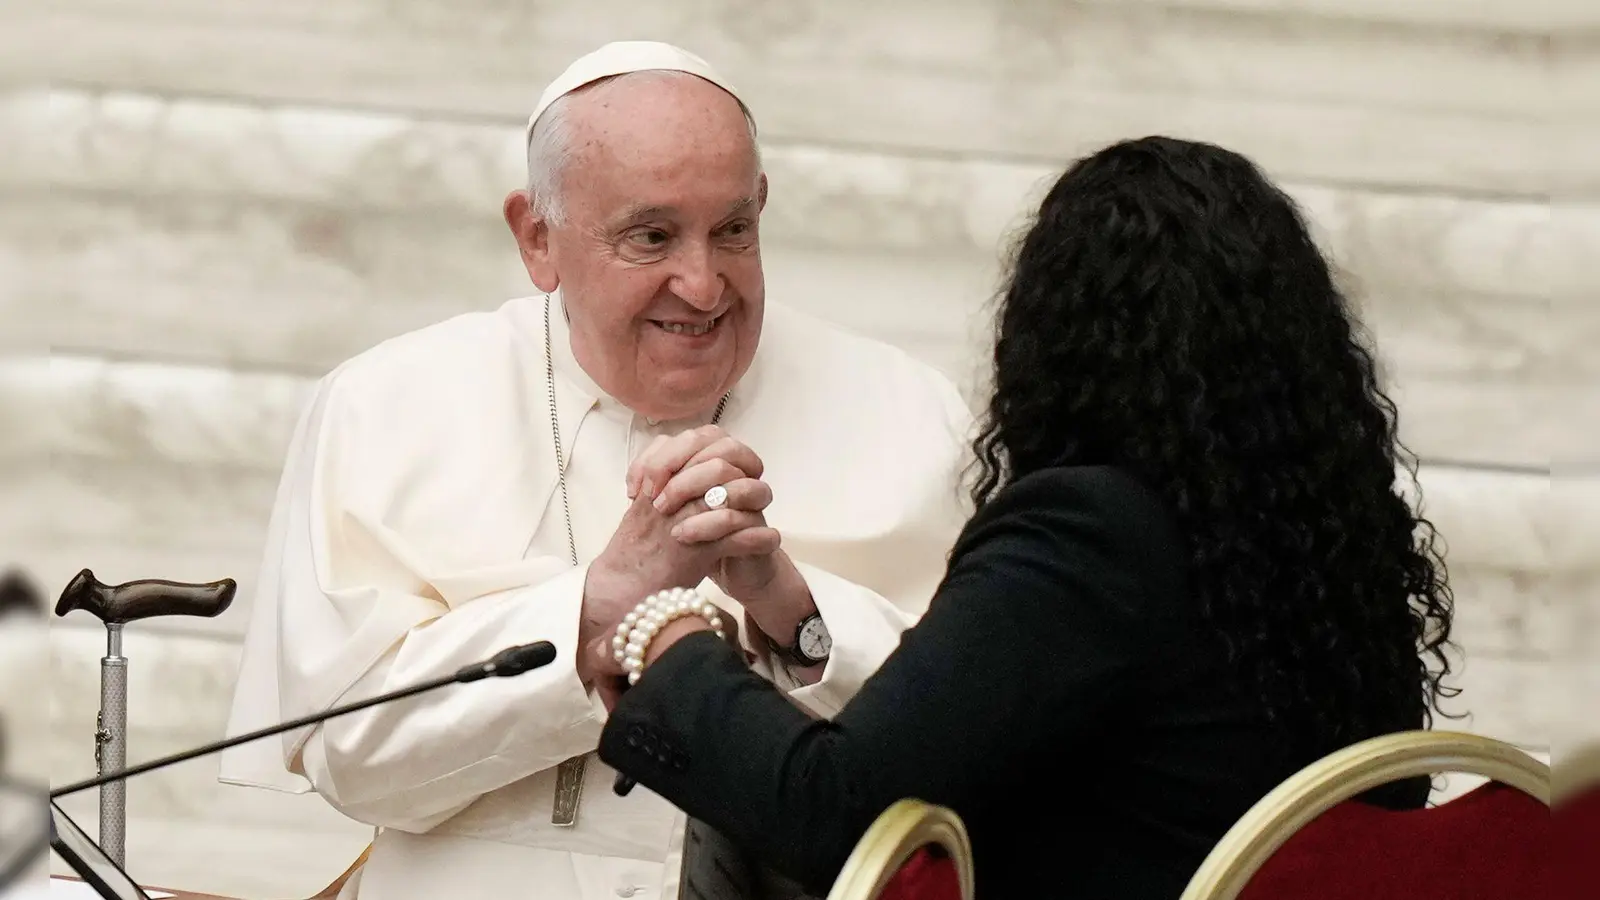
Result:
[683,328]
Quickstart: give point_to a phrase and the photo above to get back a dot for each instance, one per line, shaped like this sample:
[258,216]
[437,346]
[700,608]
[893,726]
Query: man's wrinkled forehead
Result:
[624,57]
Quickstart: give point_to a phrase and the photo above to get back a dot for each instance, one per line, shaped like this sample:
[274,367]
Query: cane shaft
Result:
[113,748]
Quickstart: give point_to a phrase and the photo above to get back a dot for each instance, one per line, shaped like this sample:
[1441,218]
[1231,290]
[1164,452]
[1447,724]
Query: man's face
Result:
[657,254]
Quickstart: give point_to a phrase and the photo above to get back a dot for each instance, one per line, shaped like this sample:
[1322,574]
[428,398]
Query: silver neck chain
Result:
[555,430]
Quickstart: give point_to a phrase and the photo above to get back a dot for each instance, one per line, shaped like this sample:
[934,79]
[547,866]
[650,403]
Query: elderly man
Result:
[646,421]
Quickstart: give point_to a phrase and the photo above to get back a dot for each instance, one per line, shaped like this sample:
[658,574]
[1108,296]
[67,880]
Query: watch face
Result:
[815,643]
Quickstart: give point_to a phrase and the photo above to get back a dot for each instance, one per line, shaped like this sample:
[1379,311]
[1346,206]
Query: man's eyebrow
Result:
[642,213]
[638,213]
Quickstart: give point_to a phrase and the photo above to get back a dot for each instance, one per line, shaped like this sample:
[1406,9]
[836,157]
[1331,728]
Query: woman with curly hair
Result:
[1189,574]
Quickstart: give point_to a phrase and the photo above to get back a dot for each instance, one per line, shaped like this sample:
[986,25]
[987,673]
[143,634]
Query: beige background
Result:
[204,204]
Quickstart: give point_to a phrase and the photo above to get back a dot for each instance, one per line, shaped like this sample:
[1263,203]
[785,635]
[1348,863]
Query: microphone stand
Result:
[506,663]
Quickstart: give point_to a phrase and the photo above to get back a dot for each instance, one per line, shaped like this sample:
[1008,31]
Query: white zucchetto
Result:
[620,58]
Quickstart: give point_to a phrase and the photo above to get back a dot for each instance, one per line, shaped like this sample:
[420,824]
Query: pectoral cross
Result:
[569,791]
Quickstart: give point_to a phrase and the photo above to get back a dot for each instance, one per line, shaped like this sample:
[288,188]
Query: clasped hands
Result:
[670,538]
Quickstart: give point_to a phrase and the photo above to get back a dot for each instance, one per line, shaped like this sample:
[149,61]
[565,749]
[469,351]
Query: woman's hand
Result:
[611,679]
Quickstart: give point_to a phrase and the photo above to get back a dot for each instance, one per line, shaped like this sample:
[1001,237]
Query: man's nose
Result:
[698,281]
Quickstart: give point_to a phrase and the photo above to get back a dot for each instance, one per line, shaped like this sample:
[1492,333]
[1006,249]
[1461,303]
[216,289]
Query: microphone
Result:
[508,663]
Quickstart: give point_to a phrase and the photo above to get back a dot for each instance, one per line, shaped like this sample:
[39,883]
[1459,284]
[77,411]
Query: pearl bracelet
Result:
[640,627]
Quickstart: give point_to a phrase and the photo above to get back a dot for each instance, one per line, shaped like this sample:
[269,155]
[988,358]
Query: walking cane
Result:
[117,605]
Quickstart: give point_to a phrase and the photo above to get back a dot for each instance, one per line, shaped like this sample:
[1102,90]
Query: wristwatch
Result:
[812,643]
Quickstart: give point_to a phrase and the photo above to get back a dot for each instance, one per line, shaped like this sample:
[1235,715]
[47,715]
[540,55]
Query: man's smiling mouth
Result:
[693,329]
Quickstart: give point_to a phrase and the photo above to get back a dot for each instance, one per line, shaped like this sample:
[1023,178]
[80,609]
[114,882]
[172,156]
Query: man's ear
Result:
[532,234]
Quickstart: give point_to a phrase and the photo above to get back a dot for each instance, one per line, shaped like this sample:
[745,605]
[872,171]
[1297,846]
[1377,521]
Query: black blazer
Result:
[1060,694]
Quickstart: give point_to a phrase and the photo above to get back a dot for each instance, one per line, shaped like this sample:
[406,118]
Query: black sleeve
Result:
[1034,635]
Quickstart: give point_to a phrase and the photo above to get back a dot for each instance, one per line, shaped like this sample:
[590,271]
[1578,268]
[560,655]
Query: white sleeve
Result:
[414,763]
[356,618]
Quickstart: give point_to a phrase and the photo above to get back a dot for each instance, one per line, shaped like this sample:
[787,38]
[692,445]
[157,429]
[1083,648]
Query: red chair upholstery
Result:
[913,851]
[1490,844]
[930,874]
[1312,839]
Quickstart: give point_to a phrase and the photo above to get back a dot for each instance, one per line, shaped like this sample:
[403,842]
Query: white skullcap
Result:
[620,58]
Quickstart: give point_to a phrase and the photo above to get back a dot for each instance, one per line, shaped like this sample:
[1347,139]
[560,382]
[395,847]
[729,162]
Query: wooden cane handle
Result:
[145,598]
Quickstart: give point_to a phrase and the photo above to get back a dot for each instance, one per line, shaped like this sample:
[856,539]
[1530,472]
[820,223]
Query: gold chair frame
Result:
[1346,774]
[894,837]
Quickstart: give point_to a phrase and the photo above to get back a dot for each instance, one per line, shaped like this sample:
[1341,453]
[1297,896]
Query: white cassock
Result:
[418,528]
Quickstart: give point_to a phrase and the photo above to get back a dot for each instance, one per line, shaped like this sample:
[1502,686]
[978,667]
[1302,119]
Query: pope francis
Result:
[645,420]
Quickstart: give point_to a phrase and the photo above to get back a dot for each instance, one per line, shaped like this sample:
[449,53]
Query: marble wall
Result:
[208,203]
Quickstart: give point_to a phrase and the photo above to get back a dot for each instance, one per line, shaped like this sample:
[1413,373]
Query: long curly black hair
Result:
[1168,313]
